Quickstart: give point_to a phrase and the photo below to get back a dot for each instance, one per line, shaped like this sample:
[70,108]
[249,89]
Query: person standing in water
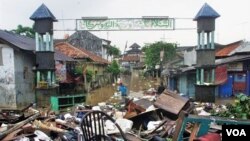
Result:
[123,89]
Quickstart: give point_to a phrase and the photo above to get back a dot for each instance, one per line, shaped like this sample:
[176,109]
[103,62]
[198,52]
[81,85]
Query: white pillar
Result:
[202,39]
[51,43]
[49,77]
[199,41]
[37,77]
[202,76]
[37,41]
[47,42]
[212,40]
[208,41]
[53,78]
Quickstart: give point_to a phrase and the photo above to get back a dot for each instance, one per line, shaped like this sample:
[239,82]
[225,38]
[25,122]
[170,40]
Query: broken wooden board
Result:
[171,102]
[139,105]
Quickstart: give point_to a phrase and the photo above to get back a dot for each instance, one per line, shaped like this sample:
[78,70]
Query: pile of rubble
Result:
[152,117]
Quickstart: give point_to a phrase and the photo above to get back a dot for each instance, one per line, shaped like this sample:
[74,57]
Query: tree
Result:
[152,53]
[114,69]
[113,51]
[24,30]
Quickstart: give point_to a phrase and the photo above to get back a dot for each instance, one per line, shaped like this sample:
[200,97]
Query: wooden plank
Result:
[180,126]
[194,131]
[172,103]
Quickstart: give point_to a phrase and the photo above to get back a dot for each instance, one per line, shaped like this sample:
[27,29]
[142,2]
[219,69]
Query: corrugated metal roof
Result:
[232,59]
[228,49]
[42,12]
[245,48]
[206,11]
[17,40]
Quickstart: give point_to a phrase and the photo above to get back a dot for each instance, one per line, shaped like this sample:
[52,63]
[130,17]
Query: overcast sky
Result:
[233,25]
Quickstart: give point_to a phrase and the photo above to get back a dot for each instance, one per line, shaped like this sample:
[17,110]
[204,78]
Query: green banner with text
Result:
[125,24]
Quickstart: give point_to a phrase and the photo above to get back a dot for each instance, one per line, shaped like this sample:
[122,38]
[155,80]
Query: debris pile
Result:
[152,117]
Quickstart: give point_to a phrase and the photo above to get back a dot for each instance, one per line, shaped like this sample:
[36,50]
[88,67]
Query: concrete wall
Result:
[7,78]
[25,92]
[190,57]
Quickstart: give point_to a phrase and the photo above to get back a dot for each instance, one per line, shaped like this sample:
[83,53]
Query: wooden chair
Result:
[92,126]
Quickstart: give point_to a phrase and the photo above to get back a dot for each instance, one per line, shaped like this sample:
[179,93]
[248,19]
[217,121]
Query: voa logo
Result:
[236,132]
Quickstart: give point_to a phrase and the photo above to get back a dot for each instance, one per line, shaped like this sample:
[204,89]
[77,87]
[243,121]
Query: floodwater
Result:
[135,83]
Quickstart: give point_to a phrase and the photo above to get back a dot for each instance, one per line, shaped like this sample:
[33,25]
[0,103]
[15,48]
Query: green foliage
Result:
[78,69]
[113,50]
[89,75]
[168,139]
[239,109]
[24,30]
[114,68]
[152,52]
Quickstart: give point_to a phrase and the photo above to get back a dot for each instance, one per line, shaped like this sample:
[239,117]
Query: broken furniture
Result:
[173,103]
[60,103]
[201,125]
[13,115]
[92,126]
[19,125]
[170,102]
[136,107]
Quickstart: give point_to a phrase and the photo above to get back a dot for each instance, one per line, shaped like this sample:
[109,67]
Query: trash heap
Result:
[151,117]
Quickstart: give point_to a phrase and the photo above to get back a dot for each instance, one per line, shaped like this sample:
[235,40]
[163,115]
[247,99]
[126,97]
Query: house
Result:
[17,63]
[231,74]
[17,59]
[180,73]
[235,57]
[83,60]
[133,57]
[90,42]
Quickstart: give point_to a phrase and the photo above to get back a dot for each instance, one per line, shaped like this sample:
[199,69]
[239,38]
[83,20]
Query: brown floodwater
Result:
[134,82]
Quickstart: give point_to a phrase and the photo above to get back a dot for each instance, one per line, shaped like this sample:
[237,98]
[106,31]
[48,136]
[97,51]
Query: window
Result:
[1,57]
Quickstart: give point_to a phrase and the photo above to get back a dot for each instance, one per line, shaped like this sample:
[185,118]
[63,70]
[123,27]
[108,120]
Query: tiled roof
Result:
[78,53]
[70,50]
[59,56]
[206,12]
[94,57]
[224,52]
[17,40]
[129,58]
[42,13]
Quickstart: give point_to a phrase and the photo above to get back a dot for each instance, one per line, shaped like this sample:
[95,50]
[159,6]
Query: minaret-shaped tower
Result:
[205,62]
[45,63]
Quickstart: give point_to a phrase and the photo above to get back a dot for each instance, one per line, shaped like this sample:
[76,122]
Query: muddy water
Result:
[135,83]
